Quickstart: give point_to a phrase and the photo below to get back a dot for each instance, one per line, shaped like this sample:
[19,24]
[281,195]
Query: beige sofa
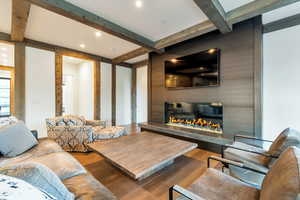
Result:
[68,169]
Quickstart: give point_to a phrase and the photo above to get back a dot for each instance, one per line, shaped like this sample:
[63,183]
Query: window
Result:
[5,91]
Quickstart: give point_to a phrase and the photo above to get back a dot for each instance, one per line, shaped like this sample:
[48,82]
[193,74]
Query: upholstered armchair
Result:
[73,133]
[282,182]
[257,157]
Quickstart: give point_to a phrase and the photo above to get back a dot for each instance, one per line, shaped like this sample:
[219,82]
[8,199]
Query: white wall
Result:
[123,95]
[86,90]
[40,88]
[142,94]
[281,84]
[106,92]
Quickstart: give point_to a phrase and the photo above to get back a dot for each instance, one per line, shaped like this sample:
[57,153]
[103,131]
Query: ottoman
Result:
[100,133]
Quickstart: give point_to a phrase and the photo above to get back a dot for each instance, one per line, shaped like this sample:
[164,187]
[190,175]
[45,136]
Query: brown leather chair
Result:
[258,158]
[282,182]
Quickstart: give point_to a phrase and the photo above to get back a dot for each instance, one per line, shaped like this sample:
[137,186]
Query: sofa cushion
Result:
[41,177]
[86,187]
[16,189]
[215,185]
[283,180]
[44,147]
[61,163]
[9,145]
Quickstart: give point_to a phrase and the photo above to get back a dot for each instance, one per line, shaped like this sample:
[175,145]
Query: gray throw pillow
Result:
[39,176]
[15,139]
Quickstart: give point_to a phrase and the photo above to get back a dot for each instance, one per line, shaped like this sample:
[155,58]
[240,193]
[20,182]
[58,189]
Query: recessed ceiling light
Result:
[82,46]
[211,51]
[174,60]
[3,48]
[98,34]
[4,55]
[138,3]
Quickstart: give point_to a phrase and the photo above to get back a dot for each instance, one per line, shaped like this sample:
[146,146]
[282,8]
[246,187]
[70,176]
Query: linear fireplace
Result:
[199,116]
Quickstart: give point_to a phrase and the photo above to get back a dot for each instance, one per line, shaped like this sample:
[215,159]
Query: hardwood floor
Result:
[183,172]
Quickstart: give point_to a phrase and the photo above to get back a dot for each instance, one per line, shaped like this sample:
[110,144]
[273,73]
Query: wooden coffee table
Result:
[141,155]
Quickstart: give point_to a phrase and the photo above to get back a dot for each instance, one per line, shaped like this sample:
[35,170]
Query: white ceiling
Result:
[232,4]
[72,60]
[155,20]
[7,54]
[137,59]
[280,13]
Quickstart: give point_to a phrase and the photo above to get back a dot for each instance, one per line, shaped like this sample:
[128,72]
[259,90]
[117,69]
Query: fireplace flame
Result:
[195,122]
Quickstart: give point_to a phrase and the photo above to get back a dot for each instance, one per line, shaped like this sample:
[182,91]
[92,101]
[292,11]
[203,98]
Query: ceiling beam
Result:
[76,13]
[20,14]
[242,13]
[216,14]
[282,24]
[256,8]
[132,54]
[140,64]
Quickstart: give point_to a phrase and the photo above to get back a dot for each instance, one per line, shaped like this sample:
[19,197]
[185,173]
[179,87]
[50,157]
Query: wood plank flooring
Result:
[185,170]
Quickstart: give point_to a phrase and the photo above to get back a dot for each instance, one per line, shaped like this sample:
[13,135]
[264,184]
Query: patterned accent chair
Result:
[281,182]
[73,133]
[256,157]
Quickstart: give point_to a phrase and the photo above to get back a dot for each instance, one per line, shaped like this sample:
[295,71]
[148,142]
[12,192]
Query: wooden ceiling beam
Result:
[256,8]
[282,24]
[216,14]
[20,14]
[140,64]
[132,54]
[76,13]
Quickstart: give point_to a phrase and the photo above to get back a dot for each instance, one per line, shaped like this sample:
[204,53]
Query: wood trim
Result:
[149,68]
[78,14]
[113,94]
[20,14]
[258,76]
[133,96]
[140,64]
[97,90]
[19,84]
[12,86]
[4,37]
[58,84]
[282,24]
[131,54]
[215,12]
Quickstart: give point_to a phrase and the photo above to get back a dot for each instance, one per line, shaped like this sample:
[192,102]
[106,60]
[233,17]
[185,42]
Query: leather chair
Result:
[282,182]
[258,158]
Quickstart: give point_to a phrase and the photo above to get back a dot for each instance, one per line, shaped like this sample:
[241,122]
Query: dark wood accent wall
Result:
[97,90]
[240,87]
[19,97]
[133,96]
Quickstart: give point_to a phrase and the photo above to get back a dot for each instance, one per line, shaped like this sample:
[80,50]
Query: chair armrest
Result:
[186,193]
[234,163]
[250,151]
[35,133]
[250,138]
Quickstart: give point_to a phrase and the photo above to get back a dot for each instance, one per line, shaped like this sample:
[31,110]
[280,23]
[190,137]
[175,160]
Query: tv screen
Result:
[196,70]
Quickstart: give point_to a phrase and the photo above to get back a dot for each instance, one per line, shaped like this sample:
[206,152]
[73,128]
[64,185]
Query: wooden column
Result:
[258,76]
[133,95]
[113,95]
[149,87]
[97,90]
[58,84]
[19,98]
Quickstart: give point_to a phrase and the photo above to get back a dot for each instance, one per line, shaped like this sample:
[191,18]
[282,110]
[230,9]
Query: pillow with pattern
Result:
[16,189]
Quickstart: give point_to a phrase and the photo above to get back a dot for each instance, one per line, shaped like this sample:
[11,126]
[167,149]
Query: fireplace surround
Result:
[206,117]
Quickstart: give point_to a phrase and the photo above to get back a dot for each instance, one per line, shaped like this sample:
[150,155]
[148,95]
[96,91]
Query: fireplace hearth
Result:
[206,117]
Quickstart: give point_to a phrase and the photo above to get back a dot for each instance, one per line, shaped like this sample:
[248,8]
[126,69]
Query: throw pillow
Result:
[41,177]
[15,139]
[15,189]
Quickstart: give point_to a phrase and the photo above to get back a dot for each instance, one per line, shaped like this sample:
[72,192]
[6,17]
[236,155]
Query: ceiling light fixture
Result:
[82,46]
[98,34]
[138,3]
[174,60]
[211,51]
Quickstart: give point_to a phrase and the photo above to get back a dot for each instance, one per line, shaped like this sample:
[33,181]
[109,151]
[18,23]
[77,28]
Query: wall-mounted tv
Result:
[196,70]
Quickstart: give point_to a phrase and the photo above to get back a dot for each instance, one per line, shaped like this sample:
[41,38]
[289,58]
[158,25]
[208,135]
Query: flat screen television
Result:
[192,71]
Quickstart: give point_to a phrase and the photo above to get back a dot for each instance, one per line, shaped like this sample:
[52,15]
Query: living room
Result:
[139,99]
